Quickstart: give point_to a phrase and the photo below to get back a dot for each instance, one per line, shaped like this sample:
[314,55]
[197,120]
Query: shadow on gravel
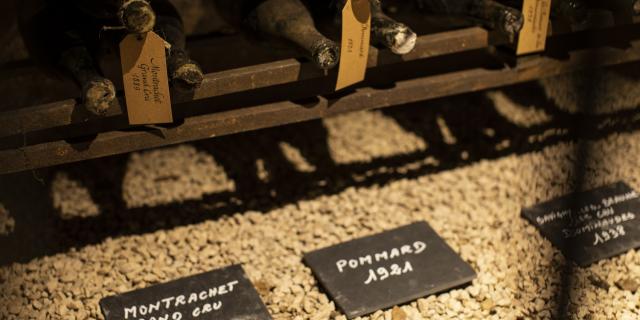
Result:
[39,231]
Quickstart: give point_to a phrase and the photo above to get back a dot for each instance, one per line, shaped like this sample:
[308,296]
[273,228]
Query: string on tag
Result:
[109,28]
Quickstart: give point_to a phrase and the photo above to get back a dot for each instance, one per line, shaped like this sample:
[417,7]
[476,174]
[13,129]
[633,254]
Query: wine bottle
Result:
[69,36]
[627,7]
[489,13]
[137,16]
[574,11]
[142,16]
[185,73]
[289,20]
[98,92]
[385,31]
[392,34]
[59,36]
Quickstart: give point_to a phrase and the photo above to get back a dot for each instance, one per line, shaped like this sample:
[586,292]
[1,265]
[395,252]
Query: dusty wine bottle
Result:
[58,35]
[137,16]
[490,13]
[574,11]
[635,7]
[629,7]
[98,92]
[142,16]
[386,31]
[392,34]
[69,35]
[185,73]
[291,20]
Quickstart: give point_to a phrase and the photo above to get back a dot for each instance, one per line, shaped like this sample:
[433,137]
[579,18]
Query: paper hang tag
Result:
[146,82]
[356,34]
[533,36]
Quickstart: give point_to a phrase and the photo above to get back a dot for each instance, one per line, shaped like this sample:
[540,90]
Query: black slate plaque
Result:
[387,269]
[220,294]
[590,226]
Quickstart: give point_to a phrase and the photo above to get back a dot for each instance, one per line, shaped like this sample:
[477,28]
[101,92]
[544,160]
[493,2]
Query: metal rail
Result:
[25,121]
[264,95]
[279,113]
[69,112]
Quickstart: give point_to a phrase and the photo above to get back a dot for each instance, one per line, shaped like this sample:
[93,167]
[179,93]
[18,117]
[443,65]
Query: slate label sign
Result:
[218,294]
[590,226]
[387,269]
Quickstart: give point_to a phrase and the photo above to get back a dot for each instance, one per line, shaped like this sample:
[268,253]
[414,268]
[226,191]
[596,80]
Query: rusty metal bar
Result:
[273,114]
[287,71]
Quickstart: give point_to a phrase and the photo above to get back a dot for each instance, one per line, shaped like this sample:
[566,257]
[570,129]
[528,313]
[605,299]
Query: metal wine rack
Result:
[253,86]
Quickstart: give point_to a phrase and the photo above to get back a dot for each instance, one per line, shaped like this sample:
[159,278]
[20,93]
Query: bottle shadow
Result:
[458,131]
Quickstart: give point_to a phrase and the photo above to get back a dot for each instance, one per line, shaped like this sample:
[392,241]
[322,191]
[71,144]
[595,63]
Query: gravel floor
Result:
[615,90]
[467,165]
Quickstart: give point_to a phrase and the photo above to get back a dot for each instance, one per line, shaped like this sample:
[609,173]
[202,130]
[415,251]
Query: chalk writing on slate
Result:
[590,226]
[387,269]
[219,294]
